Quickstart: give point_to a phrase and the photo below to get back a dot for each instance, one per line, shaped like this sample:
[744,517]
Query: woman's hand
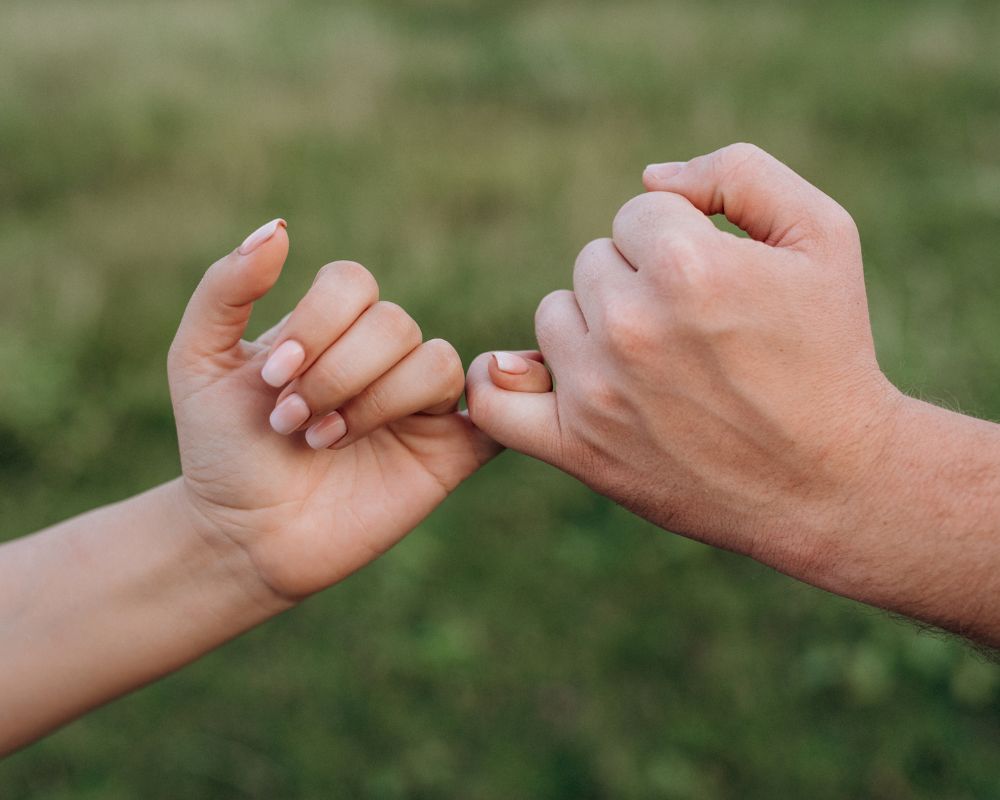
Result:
[352,439]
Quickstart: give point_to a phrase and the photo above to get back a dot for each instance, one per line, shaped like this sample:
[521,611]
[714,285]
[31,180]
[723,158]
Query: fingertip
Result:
[509,363]
[517,372]
[275,229]
[283,363]
[654,176]
[217,314]
[517,411]
[256,264]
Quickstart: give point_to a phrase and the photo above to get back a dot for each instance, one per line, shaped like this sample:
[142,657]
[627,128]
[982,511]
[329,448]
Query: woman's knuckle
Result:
[443,359]
[377,403]
[338,275]
[325,380]
[397,324]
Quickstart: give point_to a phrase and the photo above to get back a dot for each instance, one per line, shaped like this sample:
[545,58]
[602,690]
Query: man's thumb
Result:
[752,188]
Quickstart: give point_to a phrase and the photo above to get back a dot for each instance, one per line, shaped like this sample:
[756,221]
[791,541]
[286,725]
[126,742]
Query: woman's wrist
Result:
[219,555]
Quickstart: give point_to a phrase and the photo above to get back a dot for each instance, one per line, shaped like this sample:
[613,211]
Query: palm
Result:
[307,517]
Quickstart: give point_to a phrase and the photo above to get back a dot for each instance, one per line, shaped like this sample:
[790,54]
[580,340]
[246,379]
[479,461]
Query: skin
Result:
[724,388]
[113,599]
[727,389]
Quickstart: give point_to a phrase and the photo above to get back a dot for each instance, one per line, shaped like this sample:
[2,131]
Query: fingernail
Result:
[510,363]
[328,430]
[282,363]
[660,172]
[289,414]
[261,235]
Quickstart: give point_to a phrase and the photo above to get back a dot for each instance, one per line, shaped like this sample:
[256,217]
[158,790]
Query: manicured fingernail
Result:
[511,363]
[282,363]
[328,430]
[660,172]
[289,414]
[261,235]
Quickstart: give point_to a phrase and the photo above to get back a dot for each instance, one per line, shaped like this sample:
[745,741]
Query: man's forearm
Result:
[108,601]
[923,537]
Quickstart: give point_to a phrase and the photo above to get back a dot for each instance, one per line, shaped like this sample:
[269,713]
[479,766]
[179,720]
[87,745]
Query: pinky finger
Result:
[430,380]
[522,371]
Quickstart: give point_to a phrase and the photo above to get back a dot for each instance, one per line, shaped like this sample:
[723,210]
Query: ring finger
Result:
[429,380]
[380,338]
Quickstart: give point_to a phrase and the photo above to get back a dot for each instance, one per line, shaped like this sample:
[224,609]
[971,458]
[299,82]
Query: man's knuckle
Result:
[739,153]
[841,222]
[629,334]
[677,252]
[741,159]
[593,251]
[641,210]
[682,263]
[586,268]
[603,395]
[545,313]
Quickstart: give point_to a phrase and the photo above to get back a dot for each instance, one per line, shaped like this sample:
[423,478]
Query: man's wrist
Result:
[916,533]
[808,530]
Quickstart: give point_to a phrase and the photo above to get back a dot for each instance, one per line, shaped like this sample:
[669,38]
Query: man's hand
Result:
[726,388]
[723,387]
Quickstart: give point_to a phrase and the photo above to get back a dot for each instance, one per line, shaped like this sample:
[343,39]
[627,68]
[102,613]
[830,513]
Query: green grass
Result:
[530,640]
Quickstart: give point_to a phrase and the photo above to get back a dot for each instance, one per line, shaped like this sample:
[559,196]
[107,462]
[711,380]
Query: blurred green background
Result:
[530,640]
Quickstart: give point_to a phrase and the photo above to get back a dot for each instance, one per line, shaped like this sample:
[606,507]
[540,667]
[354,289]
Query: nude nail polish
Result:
[281,365]
[261,235]
[289,414]
[332,428]
[511,363]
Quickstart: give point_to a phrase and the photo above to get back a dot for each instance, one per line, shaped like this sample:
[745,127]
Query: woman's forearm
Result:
[110,600]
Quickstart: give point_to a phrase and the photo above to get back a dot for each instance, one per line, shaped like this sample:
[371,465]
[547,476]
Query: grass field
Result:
[529,640]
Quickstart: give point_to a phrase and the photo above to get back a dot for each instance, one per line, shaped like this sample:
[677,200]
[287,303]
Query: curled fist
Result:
[723,387]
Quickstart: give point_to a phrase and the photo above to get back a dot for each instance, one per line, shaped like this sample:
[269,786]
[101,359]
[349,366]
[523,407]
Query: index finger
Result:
[649,229]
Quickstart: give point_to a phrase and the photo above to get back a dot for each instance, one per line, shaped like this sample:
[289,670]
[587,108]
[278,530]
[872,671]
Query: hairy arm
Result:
[726,388]
[922,537]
